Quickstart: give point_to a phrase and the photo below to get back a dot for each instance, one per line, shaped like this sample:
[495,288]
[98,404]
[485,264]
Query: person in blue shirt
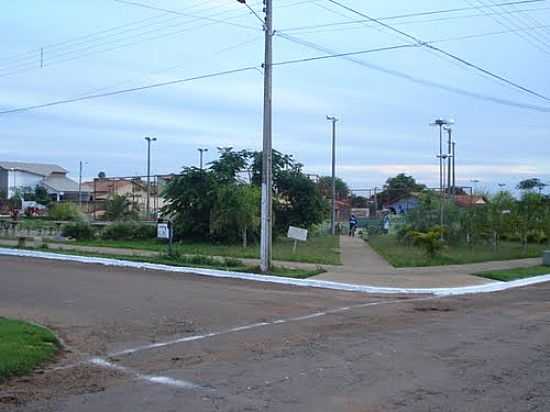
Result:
[352,225]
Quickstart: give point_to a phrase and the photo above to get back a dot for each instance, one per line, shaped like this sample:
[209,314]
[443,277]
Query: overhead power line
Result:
[329,55]
[410,15]
[443,52]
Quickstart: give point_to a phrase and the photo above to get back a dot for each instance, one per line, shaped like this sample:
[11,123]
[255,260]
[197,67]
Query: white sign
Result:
[297,233]
[163,231]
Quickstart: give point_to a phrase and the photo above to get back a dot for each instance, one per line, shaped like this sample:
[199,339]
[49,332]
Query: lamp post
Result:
[333,120]
[201,151]
[80,168]
[148,204]
[440,123]
[475,182]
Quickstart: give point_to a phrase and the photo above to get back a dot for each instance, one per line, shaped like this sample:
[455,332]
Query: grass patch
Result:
[196,261]
[322,250]
[513,274]
[401,255]
[23,347]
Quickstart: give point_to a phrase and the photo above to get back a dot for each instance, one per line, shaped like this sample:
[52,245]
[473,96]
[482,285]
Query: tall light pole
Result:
[475,182]
[201,151]
[440,123]
[453,155]
[449,131]
[333,120]
[81,166]
[267,149]
[148,204]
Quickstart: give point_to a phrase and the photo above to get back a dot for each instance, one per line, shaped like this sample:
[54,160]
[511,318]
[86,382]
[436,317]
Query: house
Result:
[470,201]
[412,201]
[19,177]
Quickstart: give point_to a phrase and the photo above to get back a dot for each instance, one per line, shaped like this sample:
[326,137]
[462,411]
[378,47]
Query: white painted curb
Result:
[324,284]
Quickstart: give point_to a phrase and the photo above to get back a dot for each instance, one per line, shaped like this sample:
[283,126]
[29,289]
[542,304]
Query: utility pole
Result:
[450,187]
[148,204]
[201,151]
[80,184]
[440,123]
[267,149]
[333,120]
[454,168]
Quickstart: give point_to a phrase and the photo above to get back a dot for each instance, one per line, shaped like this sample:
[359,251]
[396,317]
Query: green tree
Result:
[499,214]
[325,187]
[398,187]
[527,216]
[531,184]
[229,164]
[236,212]
[190,199]
[119,207]
[298,201]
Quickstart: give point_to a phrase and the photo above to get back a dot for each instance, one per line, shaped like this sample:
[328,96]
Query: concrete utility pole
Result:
[81,165]
[440,123]
[333,120]
[148,204]
[201,151]
[454,167]
[450,187]
[267,149]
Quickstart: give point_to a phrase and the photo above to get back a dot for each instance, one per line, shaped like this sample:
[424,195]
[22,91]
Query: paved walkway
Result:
[362,265]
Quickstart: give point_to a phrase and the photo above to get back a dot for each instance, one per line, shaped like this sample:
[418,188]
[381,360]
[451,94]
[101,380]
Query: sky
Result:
[99,46]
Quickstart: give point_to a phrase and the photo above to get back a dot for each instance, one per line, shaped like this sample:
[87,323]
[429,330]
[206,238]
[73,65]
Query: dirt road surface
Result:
[229,345]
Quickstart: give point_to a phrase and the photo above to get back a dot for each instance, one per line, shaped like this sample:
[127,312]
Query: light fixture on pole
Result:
[267,150]
[440,123]
[333,120]
[201,150]
[148,204]
[475,182]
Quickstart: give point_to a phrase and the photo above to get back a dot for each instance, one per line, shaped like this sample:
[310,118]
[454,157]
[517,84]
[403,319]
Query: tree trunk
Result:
[245,240]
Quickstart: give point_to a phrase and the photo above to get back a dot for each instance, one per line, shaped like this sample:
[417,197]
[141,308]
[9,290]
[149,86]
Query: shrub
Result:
[128,231]
[429,241]
[79,231]
[64,211]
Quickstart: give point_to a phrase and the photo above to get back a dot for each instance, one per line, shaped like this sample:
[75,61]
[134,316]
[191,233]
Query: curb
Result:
[322,284]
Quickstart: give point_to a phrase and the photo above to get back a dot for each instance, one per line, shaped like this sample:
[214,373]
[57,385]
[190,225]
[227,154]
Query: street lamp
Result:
[475,182]
[148,206]
[201,151]
[333,120]
[440,123]
[81,166]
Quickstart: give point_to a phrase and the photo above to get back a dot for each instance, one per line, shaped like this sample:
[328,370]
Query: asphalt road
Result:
[260,347]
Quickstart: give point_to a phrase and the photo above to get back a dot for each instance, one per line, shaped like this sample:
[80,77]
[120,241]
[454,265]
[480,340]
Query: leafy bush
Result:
[64,211]
[430,241]
[120,208]
[79,231]
[128,231]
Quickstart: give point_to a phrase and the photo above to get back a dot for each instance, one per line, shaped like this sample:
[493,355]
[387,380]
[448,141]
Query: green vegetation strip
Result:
[513,274]
[23,347]
[402,255]
[323,250]
[196,261]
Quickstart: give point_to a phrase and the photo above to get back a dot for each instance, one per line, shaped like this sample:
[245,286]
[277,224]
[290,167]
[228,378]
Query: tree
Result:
[229,164]
[398,187]
[499,215]
[190,199]
[236,212]
[359,201]
[530,184]
[298,202]
[102,175]
[527,216]
[325,187]
[120,208]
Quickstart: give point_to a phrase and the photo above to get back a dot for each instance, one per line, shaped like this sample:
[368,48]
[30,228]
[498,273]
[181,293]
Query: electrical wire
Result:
[443,52]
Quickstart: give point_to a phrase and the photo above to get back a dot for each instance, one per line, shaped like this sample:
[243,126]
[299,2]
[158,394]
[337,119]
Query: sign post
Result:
[164,231]
[298,234]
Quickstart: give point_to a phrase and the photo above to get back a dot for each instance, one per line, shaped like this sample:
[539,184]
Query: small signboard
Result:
[297,233]
[163,231]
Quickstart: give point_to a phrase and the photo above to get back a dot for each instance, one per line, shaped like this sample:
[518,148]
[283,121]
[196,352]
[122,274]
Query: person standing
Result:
[352,225]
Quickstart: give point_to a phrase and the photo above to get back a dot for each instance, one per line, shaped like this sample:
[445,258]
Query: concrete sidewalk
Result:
[362,265]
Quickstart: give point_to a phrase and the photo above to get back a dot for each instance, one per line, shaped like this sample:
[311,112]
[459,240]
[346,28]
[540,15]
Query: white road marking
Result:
[161,380]
[314,315]
[323,284]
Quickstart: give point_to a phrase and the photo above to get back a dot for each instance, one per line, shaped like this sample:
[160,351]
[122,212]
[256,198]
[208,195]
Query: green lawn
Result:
[23,347]
[401,255]
[199,261]
[322,250]
[513,274]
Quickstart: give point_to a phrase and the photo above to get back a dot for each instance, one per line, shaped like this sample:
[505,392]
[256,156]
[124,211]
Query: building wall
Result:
[22,180]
